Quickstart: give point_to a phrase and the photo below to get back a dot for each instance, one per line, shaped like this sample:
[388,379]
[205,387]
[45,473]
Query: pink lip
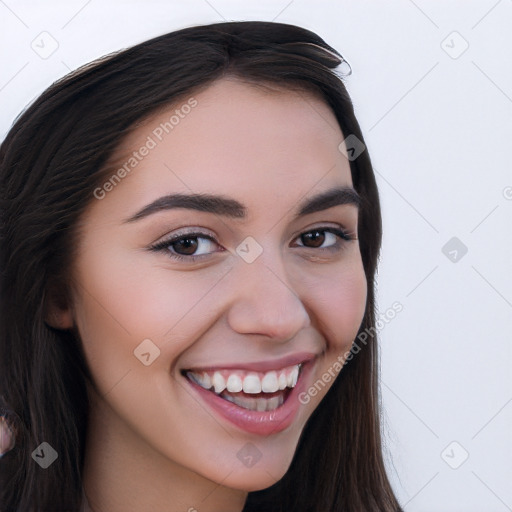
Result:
[255,422]
[261,366]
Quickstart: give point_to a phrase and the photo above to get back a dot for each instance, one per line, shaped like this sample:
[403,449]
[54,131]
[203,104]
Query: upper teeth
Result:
[235,381]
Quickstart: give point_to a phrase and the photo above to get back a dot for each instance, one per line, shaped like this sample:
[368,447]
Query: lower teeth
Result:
[255,404]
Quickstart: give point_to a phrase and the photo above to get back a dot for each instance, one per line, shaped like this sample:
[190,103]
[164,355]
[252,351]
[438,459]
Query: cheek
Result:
[339,304]
[136,296]
[121,303]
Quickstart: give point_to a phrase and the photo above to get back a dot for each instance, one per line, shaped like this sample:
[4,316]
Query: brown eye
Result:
[186,246]
[190,247]
[314,238]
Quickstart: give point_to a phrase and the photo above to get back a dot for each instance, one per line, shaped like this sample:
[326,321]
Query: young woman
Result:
[190,231]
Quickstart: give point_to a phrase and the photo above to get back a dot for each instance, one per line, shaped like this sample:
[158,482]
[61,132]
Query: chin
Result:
[261,474]
[254,479]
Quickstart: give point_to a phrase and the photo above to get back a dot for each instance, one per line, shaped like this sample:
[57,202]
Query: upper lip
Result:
[261,366]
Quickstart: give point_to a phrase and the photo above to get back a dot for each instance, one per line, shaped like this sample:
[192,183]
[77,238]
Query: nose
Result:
[265,302]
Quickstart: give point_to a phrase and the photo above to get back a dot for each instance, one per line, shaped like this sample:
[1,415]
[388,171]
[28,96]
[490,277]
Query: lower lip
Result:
[256,422]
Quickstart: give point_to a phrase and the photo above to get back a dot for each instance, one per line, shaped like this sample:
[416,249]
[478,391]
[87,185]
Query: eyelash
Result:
[164,245]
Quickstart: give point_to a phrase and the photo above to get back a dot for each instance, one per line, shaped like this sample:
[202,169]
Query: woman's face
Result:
[237,287]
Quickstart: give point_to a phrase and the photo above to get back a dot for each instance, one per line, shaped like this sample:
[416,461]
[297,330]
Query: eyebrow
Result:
[225,206]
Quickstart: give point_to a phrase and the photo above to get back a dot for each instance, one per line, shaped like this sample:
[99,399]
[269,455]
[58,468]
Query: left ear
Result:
[59,314]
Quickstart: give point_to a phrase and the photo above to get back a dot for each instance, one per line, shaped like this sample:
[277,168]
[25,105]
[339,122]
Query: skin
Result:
[151,444]
[6,439]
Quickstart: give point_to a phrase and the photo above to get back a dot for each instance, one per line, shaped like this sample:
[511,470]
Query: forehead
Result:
[236,138]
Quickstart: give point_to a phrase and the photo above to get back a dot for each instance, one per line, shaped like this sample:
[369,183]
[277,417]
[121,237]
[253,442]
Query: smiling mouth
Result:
[254,391]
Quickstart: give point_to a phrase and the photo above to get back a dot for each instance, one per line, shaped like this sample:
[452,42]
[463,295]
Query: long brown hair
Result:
[53,159]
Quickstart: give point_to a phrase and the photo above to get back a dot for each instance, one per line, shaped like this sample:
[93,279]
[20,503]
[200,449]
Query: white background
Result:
[438,125]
